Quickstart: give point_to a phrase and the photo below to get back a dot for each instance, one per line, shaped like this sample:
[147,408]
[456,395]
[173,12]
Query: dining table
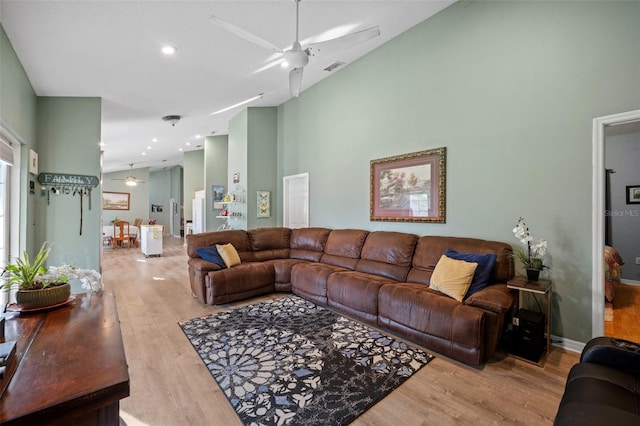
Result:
[108,232]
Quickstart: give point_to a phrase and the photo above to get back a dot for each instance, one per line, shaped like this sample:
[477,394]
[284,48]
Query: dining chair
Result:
[120,234]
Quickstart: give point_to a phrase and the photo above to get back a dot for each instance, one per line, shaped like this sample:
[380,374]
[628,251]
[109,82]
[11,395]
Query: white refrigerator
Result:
[151,240]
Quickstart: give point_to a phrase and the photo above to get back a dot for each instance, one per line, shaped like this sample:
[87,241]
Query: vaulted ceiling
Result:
[112,50]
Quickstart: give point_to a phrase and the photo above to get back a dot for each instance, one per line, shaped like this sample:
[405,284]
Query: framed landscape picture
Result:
[115,200]
[409,187]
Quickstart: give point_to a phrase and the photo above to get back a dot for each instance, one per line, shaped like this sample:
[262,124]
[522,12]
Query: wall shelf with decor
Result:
[233,210]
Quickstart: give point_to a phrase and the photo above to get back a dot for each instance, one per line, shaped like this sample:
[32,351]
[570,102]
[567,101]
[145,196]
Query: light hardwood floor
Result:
[171,386]
[626,313]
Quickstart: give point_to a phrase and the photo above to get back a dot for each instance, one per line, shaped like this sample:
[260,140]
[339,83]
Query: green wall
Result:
[176,193]
[193,179]
[69,125]
[53,127]
[166,185]
[216,154]
[510,88]
[139,204]
[18,104]
[238,151]
[253,153]
[261,160]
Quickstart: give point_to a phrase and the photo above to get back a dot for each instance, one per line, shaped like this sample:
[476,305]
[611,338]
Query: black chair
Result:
[604,388]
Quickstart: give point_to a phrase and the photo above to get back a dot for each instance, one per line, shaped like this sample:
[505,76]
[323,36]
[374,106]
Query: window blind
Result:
[6,153]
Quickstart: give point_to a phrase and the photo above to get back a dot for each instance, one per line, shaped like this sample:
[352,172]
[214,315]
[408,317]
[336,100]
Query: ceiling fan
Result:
[297,57]
[130,180]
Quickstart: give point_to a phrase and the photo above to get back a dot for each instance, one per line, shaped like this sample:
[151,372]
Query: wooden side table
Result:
[523,285]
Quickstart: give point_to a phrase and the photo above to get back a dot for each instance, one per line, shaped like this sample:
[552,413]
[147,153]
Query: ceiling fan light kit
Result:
[131,179]
[297,57]
[171,119]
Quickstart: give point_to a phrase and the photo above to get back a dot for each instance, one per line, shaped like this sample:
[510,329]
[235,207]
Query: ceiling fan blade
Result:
[343,42]
[295,81]
[232,28]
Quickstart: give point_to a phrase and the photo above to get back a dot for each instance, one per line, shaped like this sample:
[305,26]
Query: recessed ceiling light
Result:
[154,140]
[149,147]
[144,153]
[169,50]
[102,144]
[198,136]
[180,149]
[188,144]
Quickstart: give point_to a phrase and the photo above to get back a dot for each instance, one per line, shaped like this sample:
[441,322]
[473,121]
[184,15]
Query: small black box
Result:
[528,336]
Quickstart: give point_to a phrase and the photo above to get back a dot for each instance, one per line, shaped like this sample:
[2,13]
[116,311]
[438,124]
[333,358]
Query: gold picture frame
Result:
[409,187]
[115,200]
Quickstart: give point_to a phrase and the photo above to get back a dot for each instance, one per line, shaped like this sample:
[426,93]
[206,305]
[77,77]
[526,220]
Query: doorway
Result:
[599,179]
[295,198]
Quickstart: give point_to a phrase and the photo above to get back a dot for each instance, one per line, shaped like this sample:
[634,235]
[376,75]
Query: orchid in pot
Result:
[38,286]
[531,258]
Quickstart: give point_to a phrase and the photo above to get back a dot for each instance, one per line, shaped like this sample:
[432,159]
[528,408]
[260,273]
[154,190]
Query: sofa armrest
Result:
[495,298]
[616,353]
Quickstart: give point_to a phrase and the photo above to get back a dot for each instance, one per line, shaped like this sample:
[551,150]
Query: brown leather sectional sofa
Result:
[380,278]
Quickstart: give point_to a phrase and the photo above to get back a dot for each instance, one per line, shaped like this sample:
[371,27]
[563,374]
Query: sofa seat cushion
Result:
[596,394]
[283,269]
[235,283]
[356,293]
[442,323]
[309,280]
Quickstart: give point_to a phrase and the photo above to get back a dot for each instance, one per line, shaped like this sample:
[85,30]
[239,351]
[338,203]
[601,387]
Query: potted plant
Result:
[536,249]
[38,286]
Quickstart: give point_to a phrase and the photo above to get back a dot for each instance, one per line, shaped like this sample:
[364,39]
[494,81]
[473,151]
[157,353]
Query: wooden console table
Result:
[72,367]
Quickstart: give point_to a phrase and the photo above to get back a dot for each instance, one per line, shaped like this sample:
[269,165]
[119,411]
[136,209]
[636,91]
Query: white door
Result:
[296,201]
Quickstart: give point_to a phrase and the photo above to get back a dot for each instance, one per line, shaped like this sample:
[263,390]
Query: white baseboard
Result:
[568,344]
[629,282]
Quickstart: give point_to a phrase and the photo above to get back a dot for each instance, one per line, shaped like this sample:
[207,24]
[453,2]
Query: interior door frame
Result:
[597,215]
[286,183]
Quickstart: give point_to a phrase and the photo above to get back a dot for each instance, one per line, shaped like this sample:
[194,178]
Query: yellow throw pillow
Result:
[452,277]
[229,254]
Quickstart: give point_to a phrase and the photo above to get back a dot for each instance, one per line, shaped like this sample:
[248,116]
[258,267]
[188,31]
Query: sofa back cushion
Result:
[237,237]
[269,243]
[387,254]
[308,243]
[343,247]
[430,248]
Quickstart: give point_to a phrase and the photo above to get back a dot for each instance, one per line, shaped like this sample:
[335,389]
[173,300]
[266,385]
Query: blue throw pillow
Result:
[210,254]
[483,271]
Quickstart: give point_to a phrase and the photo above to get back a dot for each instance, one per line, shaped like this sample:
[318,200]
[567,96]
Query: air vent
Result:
[333,66]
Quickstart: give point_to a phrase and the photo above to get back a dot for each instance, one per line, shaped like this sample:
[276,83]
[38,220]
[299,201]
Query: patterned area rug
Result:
[289,361]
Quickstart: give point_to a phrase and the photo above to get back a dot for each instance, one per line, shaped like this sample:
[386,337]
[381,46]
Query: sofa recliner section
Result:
[378,277]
